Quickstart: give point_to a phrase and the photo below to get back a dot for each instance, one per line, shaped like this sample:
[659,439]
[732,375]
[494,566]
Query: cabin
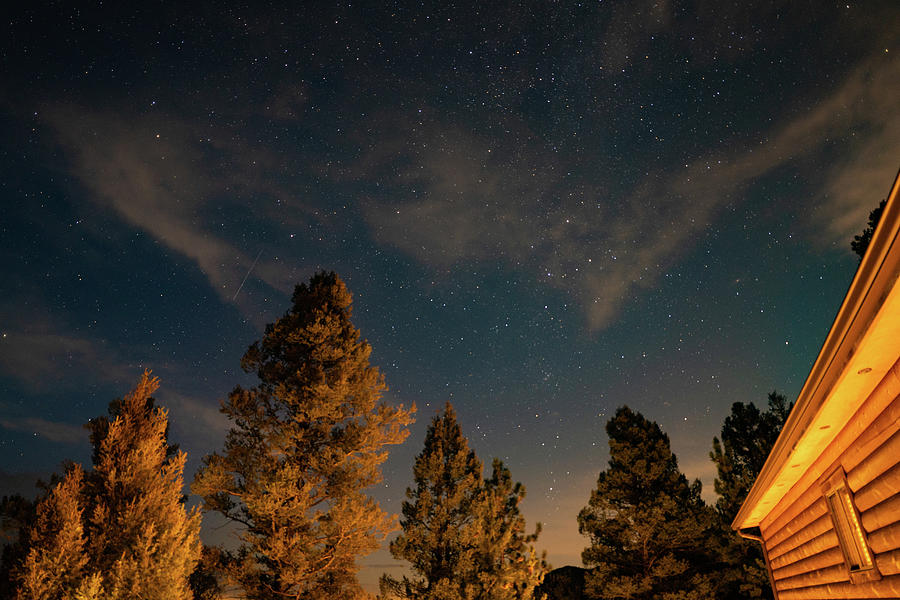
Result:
[826,505]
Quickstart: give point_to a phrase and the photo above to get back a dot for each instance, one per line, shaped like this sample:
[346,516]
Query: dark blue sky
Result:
[544,210]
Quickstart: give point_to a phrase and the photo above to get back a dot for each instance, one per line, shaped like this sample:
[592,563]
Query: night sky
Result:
[544,211]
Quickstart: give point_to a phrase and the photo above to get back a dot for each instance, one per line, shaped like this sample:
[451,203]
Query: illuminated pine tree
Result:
[56,561]
[506,566]
[304,446]
[463,536]
[438,538]
[141,538]
[120,531]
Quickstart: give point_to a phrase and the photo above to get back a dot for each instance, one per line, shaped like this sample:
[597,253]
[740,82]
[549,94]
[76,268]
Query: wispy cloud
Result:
[466,199]
[50,362]
[196,419]
[863,119]
[54,431]
[43,361]
[163,175]
[458,196]
[473,201]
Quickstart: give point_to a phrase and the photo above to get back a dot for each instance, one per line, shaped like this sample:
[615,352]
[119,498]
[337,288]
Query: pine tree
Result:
[141,539]
[506,564]
[860,243]
[464,537]
[121,530]
[748,435]
[438,514]
[304,445]
[646,524]
[55,565]
[205,582]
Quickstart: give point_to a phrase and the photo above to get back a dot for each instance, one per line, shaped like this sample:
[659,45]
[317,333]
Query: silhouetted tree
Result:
[648,527]
[748,435]
[304,445]
[121,530]
[464,537]
[17,515]
[204,581]
[861,242]
[565,583]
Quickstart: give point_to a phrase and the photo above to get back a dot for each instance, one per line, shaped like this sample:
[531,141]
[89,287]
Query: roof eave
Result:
[875,277]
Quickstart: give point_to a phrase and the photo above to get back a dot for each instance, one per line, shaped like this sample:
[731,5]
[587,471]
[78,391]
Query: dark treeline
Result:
[304,446]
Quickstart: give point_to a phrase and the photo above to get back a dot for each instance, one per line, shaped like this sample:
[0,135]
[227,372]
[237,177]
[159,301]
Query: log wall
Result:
[805,557]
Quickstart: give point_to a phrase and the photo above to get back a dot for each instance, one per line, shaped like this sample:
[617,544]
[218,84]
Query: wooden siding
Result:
[803,550]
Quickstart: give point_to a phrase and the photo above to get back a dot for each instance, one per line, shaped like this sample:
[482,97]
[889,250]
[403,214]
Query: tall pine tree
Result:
[463,536]
[121,530]
[304,445]
[646,524]
[748,435]
[437,517]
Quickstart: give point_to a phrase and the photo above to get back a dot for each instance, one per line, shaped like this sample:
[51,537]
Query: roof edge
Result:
[875,273]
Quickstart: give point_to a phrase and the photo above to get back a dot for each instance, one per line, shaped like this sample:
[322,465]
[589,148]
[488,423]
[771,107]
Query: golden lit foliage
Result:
[55,564]
[304,445]
[120,531]
[506,564]
[463,536]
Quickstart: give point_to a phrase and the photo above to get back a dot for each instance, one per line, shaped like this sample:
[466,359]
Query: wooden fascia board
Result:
[874,278]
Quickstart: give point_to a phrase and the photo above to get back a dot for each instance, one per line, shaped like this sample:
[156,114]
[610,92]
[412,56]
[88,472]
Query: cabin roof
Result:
[861,347]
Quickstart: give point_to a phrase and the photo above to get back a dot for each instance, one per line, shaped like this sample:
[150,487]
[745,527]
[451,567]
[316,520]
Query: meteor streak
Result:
[246,276]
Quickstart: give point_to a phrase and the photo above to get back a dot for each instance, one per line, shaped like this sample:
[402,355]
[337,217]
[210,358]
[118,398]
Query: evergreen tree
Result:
[648,527]
[119,531]
[506,565]
[304,445]
[438,515]
[141,539]
[204,581]
[464,537]
[56,562]
[564,583]
[861,242]
[748,435]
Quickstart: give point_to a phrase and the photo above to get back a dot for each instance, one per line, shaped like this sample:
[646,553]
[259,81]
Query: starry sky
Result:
[544,210]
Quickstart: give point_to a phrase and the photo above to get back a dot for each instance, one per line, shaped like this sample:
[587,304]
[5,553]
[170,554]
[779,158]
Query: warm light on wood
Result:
[827,501]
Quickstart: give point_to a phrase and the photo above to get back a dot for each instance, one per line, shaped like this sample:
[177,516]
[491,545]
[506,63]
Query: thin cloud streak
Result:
[42,361]
[55,431]
[468,202]
[155,174]
[198,421]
